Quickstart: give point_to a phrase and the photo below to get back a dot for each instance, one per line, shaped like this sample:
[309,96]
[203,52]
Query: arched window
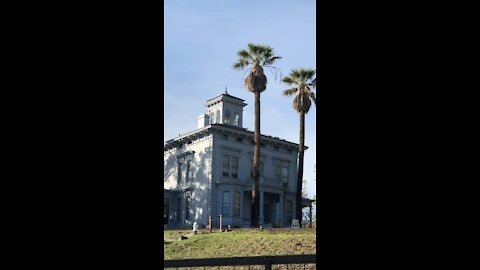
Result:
[212,118]
[236,119]
[226,117]
[218,117]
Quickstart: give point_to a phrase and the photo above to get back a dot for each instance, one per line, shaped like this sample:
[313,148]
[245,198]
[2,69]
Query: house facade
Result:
[209,172]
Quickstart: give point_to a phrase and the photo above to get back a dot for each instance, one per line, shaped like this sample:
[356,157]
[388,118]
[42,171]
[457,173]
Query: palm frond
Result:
[295,73]
[312,97]
[271,60]
[238,66]
[288,80]
[275,71]
[244,54]
[259,56]
[302,75]
[241,64]
[307,74]
[254,49]
[290,91]
[267,54]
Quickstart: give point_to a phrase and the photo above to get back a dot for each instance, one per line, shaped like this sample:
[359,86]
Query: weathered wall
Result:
[201,176]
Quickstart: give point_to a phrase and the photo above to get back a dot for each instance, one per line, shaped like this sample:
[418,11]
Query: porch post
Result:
[310,208]
[241,206]
[294,210]
[281,210]
[260,218]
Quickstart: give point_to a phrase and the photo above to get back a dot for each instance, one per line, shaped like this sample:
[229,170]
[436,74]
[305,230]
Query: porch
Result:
[275,210]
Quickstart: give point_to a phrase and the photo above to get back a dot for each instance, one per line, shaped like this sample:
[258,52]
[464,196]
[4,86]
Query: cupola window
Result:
[227,117]
[212,118]
[236,119]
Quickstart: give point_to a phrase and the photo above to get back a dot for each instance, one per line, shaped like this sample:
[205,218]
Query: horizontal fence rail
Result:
[268,261]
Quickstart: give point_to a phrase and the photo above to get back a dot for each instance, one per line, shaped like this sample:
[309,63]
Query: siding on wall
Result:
[209,182]
[200,183]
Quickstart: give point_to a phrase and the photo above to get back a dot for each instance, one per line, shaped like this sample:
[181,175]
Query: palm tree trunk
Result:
[256,163]
[300,167]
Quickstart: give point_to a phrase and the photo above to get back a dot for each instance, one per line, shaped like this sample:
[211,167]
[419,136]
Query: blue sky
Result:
[201,39]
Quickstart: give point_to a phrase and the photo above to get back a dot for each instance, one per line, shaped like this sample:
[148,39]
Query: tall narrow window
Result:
[212,118]
[288,210]
[218,117]
[284,174]
[226,117]
[236,119]
[179,209]
[189,171]
[236,204]
[234,167]
[277,172]
[179,173]
[226,203]
[226,165]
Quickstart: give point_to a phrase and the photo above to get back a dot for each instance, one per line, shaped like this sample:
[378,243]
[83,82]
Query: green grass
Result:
[239,243]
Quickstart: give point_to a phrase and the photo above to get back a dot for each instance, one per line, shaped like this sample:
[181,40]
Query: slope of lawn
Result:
[238,243]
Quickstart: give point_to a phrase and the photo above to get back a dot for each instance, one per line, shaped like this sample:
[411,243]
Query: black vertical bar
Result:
[268,264]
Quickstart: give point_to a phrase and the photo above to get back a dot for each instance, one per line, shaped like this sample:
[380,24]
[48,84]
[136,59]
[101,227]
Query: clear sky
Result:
[201,39]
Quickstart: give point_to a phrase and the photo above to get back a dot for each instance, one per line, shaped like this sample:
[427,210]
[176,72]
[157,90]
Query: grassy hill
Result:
[238,243]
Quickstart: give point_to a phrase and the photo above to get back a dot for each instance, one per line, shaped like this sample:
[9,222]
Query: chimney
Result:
[203,120]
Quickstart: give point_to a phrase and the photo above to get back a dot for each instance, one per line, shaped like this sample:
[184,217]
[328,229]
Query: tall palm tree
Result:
[257,57]
[302,81]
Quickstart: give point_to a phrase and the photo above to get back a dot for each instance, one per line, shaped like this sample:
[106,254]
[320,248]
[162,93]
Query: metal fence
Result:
[237,263]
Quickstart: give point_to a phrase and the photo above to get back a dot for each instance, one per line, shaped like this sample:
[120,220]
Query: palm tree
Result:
[302,81]
[257,57]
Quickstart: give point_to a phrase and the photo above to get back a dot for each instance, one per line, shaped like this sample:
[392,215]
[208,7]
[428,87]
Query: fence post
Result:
[220,222]
[268,263]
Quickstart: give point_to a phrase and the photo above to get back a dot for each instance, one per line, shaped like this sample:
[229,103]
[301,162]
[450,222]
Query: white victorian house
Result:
[209,172]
